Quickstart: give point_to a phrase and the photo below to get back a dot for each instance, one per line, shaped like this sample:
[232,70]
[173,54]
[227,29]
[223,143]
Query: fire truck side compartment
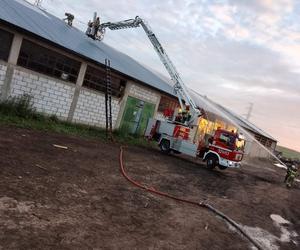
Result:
[184,147]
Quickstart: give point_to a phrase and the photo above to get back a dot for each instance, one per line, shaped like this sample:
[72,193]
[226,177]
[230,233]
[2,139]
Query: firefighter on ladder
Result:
[93,28]
[291,174]
[97,25]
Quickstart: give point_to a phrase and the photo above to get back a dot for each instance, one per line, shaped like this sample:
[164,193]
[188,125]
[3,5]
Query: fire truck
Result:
[223,149]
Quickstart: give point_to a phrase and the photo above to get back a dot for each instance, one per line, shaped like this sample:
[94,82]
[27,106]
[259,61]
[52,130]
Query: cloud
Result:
[223,13]
[277,7]
[237,32]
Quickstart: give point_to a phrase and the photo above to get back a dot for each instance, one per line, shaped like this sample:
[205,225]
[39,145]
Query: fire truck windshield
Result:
[228,139]
[232,141]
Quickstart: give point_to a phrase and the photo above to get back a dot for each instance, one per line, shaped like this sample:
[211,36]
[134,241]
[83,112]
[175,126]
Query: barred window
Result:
[268,143]
[46,61]
[95,78]
[167,103]
[5,44]
[257,137]
[263,141]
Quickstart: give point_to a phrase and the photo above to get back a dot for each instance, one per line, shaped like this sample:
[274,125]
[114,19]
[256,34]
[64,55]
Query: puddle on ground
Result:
[267,240]
[282,224]
[278,219]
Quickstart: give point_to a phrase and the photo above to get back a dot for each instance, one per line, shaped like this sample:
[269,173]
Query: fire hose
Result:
[202,204]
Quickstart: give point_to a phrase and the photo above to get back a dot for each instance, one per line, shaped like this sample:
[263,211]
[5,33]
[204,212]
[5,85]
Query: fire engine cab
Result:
[224,149]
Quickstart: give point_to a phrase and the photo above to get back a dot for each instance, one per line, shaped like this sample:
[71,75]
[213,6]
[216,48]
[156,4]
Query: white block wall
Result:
[90,108]
[143,94]
[3,69]
[53,96]
[49,96]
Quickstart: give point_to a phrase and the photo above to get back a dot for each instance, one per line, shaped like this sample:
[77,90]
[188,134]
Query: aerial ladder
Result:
[219,150]
[180,89]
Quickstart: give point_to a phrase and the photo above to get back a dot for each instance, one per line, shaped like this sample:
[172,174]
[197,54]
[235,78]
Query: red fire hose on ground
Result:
[202,204]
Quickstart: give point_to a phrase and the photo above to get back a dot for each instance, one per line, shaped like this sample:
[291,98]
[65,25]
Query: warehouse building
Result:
[63,71]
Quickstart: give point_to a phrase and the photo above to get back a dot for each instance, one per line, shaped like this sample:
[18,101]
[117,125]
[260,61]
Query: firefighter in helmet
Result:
[93,28]
[179,116]
[96,26]
[291,174]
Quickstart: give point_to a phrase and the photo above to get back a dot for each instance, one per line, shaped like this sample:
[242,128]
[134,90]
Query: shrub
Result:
[53,118]
[21,106]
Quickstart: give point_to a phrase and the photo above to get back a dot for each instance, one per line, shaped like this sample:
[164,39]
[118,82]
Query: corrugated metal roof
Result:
[41,23]
[47,26]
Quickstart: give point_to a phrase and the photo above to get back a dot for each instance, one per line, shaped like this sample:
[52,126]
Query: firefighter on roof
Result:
[69,18]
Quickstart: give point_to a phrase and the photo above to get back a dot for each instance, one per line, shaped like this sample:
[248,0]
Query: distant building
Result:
[64,72]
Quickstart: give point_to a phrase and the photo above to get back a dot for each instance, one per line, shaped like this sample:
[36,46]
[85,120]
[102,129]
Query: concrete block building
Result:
[63,71]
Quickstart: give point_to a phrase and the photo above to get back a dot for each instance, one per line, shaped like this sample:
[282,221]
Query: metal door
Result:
[135,116]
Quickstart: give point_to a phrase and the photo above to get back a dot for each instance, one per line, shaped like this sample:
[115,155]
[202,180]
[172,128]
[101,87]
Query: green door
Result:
[148,112]
[135,116]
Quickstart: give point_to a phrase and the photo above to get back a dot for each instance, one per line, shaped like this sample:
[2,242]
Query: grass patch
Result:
[288,153]
[19,112]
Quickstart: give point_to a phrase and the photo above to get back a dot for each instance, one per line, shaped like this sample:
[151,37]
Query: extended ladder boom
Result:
[179,87]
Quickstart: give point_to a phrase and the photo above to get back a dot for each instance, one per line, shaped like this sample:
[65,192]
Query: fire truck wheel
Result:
[165,146]
[222,167]
[211,161]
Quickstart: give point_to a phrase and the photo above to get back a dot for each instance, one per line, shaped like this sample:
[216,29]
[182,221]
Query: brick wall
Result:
[2,75]
[143,94]
[49,96]
[90,108]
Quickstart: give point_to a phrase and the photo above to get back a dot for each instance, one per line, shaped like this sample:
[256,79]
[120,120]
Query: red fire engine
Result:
[224,149]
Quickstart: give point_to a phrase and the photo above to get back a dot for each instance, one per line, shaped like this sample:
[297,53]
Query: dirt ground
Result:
[76,198]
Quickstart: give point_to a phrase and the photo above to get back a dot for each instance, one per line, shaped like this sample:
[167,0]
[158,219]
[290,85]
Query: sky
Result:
[235,52]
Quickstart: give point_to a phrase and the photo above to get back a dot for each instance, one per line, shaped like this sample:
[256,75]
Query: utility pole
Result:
[250,108]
